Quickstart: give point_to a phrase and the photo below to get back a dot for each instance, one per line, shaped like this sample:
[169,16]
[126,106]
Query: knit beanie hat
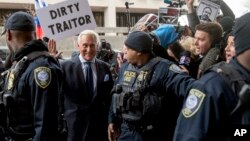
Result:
[227,23]
[241,32]
[139,41]
[166,34]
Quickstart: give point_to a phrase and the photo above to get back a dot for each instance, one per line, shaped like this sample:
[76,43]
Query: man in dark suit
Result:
[86,102]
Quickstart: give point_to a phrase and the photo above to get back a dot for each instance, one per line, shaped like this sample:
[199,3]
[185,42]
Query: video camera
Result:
[103,44]
[105,52]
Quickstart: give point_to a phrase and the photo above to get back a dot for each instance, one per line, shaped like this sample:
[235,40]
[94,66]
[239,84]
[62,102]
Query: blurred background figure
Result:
[108,55]
[187,43]
[105,52]
[166,35]
[230,48]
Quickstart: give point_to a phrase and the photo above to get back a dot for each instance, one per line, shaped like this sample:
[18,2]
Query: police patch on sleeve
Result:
[193,103]
[42,76]
[175,68]
[10,81]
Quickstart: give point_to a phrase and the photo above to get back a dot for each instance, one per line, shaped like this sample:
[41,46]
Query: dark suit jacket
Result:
[86,115]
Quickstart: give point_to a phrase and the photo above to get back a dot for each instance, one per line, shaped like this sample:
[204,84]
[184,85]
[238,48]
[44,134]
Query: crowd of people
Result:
[164,85]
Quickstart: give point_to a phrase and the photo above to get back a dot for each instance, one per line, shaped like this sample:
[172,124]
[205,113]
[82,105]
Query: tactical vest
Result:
[134,101]
[239,86]
[7,97]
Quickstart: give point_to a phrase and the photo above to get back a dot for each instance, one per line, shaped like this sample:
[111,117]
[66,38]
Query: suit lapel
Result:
[79,70]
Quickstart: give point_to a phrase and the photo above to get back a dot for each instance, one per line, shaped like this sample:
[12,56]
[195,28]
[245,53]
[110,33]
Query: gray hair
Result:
[92,33]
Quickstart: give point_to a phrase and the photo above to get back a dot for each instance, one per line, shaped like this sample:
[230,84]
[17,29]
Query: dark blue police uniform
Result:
[33,113]
[149,113]
[206,112]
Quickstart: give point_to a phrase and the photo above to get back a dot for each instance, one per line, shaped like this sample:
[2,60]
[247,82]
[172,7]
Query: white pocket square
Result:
[106,78]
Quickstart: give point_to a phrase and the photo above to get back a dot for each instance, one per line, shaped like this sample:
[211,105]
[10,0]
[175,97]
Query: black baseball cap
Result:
[19,21]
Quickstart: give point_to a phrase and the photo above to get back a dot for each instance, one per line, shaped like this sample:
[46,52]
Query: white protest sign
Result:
[65,19]
[207,10]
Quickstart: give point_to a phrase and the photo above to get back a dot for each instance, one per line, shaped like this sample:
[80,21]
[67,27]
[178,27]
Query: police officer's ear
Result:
[9,35]
[139,53]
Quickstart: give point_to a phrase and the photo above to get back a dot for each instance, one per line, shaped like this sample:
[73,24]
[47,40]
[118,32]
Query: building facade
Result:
[113,17]
[108,13]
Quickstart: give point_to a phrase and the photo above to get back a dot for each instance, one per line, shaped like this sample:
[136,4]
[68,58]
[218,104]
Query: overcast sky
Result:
[239,7]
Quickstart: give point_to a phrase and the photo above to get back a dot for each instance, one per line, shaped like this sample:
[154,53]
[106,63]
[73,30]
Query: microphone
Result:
[185,58]
[211,58]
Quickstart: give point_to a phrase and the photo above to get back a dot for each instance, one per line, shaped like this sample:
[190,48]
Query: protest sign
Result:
[207,11]
[168,15]
[65,19]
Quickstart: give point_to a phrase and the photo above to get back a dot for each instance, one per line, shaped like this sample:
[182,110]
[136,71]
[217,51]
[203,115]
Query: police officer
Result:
[208,112]
[32,85]
[147,95]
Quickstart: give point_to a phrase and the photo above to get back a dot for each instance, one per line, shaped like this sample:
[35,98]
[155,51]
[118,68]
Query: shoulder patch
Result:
[175,68]
[10,81]
[193,103]
[142,75]
[42,76]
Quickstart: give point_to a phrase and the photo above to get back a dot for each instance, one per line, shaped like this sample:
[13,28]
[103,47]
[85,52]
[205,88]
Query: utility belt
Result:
[138,126]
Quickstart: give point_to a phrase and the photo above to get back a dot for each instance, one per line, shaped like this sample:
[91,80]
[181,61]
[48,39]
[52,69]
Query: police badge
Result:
[42,76]
[175,68]
[10,81]
[193,103]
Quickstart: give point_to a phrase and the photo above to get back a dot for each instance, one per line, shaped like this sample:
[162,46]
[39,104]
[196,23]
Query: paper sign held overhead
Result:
[168,15]
[207,11]
[66,19]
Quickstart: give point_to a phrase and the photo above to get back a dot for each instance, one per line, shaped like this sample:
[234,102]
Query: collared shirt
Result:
[93,66]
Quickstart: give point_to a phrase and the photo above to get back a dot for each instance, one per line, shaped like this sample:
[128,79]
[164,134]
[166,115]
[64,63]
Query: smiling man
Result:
[86,91]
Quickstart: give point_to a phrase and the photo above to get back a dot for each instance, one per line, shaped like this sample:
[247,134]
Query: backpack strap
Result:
[148,69]
[19,67]
[151,63]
